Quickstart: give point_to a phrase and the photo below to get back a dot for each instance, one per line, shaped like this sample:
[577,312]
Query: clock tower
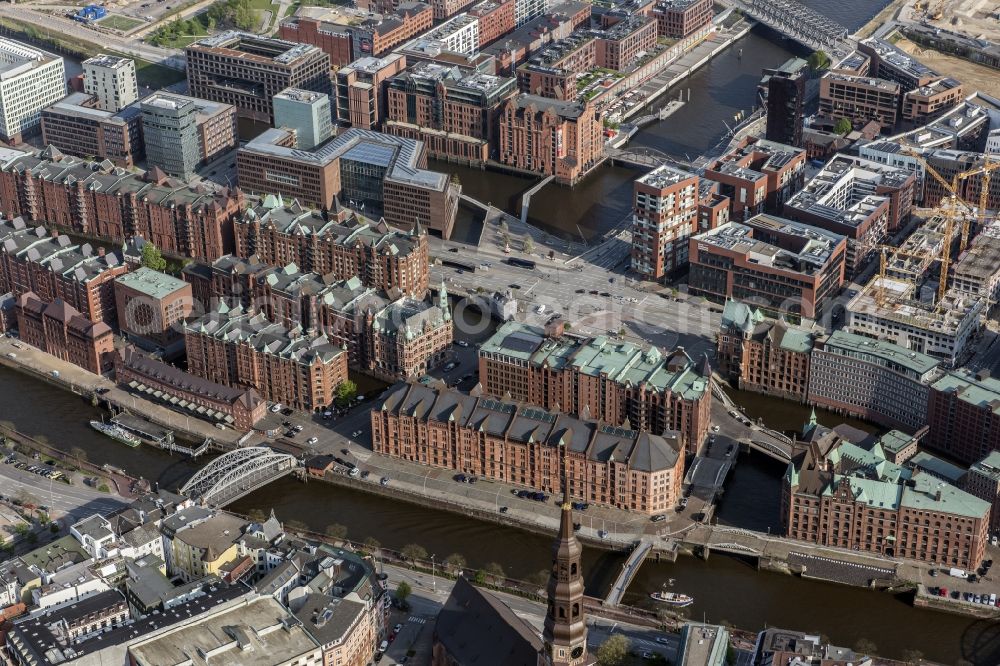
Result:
[565,633]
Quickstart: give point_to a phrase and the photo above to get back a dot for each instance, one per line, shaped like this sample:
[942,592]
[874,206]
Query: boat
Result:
[116,432]
[672,598]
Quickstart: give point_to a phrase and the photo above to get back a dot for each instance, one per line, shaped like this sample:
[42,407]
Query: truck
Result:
[957,573]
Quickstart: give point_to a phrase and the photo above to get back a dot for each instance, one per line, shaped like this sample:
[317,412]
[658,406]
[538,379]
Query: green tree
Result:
[818,61]
[913,656]
[455,562]
[22,529]
[529,244]
[103,488]
[79,454]
[152,258]
[413,552]
[346,392]
[256,515]
[403,590]
[865,646]
[614,651]
[479,578]
[336,531]
[371,543]
[842,126]
[495,571]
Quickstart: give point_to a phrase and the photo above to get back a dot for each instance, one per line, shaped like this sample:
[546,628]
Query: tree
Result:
[494,570]
[842,126]
[455,180]
[529,244]
[403,591]
[818,61]
[614,651]
[479,578]
[504,228]
[22,529]
[79,454]
[865,646]
[413,552]
[256,515]
[336,531]
[913,656]
[455,561]
[103,488]
[346,392]
[152,258]
[27,499]
[371,543]
[296,526]
[540,577]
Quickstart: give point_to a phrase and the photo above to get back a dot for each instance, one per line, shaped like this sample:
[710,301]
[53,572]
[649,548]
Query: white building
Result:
[942,331]
[112,80]
[459,34]
[30,80]
[993,141]
[306,112]
[526,10]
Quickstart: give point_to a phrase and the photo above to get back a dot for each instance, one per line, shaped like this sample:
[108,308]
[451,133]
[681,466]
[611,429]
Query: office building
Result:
[347,34]
[361,90]
[859,99]
[836,493]
[170,135]
[376,174]
[983,481]
[924,104]
[232,406]
[247,71]
[949,163]
[409,337]
[764,355]
[758,176]
[215,123]
[76,126]
[665,216]
[445,9]
[599,378]
[30,80]
[93,198]
[526,10]
[858,199]
[111,79]
[677,19]
[551,137]
[781,266]
[307,112]
[891,63]
[33,259]
[786,92]
[291,366]
[962,415]
[517,443]
[380,256]
[152,307]
[60,330]
[870,379]
[454,111]
[892,310]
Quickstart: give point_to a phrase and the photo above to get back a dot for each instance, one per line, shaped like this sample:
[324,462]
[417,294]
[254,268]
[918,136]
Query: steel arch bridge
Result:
[237,473]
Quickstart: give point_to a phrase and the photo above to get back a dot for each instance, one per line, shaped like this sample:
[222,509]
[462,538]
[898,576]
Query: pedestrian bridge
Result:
[798,22]
[629,570]
[237,473]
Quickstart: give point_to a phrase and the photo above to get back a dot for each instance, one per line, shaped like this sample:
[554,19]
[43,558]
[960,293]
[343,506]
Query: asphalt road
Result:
[72,502]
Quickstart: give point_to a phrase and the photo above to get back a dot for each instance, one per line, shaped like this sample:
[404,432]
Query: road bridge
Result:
[799,23]
[629,570]
[237,473]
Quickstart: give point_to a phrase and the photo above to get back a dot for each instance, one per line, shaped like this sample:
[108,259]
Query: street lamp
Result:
[433,579]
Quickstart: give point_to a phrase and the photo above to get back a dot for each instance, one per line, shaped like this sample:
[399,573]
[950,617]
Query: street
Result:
[73,502]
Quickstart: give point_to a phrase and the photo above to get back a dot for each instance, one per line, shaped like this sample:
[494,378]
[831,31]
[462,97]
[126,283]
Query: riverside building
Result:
[30,80]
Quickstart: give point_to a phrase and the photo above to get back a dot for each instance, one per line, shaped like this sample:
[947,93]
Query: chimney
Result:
[100,252]
[983,374]
[54,233]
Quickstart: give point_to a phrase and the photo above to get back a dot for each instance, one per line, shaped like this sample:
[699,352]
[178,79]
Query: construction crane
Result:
[986,170]
[884,251]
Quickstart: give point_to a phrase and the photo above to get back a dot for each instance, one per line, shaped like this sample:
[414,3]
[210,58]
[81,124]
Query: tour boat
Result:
[116,432]
[672,598]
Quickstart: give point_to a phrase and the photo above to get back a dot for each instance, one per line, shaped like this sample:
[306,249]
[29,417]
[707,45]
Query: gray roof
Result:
[328,619]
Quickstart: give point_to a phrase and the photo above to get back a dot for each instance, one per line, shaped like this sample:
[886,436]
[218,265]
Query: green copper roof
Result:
[988,466]
[894,441]
[890,354]
[152,283]
[971,389]
[937,467]
[797,340]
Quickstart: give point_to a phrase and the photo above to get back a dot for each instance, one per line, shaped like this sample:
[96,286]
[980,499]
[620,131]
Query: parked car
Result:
[312,440]
[384,481]
[659,518]
[462,343]
[503,509]
[461,478]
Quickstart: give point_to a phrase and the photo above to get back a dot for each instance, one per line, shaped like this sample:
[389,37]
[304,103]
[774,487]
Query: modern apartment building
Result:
[924,104]
[308,113]
[962,415]
[375,174]
[758,176]
[111,79]
[520,444]
[983,481]
[893,310]
[977,271]
[526,10]
[152,307]
[764,355]
[496,19]
[678,19]
[247,71]
[59,329]
[860,99]
[170,135]
[858,199]
[870,379]
[891,63]
[33,259]
[382,257]
[664,217]
[552,137]
[453,110]
[76,126]
[599,378]
[91,198]
[30,80]
[778,265]
[361,90]
[838,494]
[786,96]
[948,163]
[289,366]
[347,34]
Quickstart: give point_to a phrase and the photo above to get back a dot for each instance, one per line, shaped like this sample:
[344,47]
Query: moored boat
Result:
[672,598]
[116,432]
